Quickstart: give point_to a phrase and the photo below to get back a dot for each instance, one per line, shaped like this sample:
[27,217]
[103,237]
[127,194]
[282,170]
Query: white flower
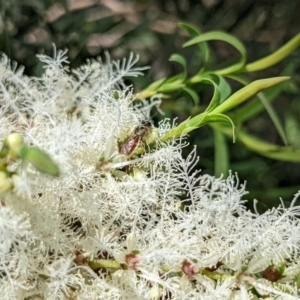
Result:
[61,280]
[118,226]
[15,230]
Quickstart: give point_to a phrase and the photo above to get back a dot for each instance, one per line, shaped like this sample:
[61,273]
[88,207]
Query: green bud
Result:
[40,160]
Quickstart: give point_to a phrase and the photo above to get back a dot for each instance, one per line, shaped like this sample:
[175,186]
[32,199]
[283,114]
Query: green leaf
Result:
[191,124]
[261,147]
[171,87]
[195,122]
[221,84]
[184,127]
[174,79]
[275,57]
[264,103]
[215,115]
[220,118]
[155,85]
[40,160]
[274,117]
[194,32]
[150,90]
[193,95]
[181,60]
[269,150]
[224,87]
[190,28]
[253,108]
[248,92]
[225,37]
[221,88]
[216,98]
[221,154]
[292,126]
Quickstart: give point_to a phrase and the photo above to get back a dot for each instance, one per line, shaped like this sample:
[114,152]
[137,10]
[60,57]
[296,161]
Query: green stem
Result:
[215,275]
[104,264]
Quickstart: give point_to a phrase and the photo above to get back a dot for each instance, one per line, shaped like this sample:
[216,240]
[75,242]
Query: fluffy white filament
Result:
[157,219]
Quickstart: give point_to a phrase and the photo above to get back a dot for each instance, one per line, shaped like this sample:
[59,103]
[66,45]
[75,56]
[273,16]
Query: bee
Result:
[136,139]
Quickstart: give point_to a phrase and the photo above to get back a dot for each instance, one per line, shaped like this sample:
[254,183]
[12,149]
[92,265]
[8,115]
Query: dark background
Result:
[149,28]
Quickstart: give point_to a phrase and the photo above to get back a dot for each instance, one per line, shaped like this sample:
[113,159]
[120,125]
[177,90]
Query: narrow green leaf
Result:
[221,154]
[292,126]
[261,147]
[224,88]
[193,123]
[193,95]
[274,117]
[225,37]
[213,80]
[184,127]
[269,150]
[150,90]
[188,129]
[39,159]
[156,84]
[275,57]
[203,47]
[196,122]
[174,79]
[181,60]
[220,118]
[248,92]
[254,107]
[221,88]
[171,87]
[145,94]
[190,28]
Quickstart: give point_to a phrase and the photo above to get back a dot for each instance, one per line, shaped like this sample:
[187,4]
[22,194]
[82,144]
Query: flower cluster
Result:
[128,217]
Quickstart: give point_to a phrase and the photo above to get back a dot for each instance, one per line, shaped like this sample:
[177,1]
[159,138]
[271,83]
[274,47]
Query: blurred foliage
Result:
[89,27]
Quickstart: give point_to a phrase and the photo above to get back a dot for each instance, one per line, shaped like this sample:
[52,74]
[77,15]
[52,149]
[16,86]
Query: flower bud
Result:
[5,183]
[14,142]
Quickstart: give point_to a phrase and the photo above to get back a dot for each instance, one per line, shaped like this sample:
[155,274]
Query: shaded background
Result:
[149,28]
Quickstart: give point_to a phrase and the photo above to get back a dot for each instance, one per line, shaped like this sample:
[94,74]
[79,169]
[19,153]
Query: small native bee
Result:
[136,138]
